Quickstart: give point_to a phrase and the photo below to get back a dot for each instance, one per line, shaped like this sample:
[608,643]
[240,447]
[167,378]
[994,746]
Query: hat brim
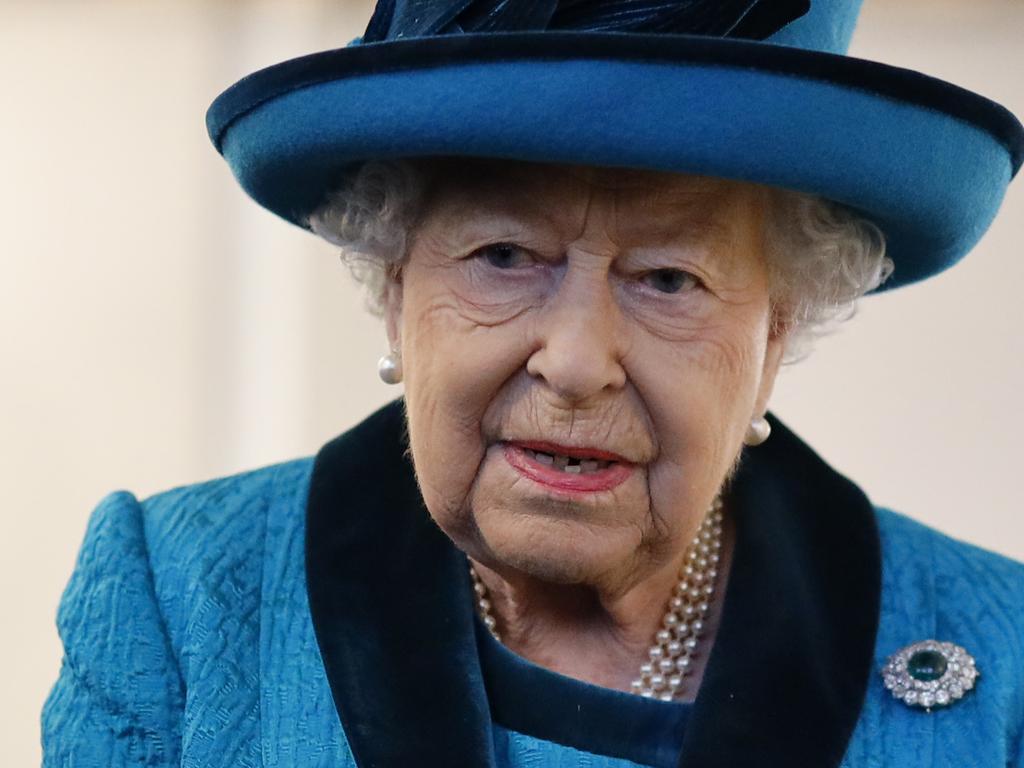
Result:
[928,161]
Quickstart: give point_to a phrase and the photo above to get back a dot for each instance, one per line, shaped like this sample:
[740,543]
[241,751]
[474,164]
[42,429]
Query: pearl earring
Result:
[389,368]
[758,431]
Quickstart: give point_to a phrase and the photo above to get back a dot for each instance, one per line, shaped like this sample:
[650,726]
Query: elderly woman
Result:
[594,230]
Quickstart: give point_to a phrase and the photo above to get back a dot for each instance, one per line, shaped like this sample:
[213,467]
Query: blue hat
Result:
[757,90]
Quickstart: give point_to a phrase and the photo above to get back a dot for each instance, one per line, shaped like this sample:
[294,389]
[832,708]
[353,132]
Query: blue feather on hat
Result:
[750,19]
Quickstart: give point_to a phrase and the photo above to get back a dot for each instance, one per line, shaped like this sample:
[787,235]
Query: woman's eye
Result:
[670,280]
[505,256]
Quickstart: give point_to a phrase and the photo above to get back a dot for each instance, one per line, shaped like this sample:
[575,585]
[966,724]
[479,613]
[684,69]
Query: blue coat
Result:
[310,614]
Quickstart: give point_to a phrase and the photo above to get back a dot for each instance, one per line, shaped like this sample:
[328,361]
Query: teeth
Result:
[571,464]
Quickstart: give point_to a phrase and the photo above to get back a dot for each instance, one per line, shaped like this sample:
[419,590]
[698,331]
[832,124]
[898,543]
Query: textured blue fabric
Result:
[937,587]
[188,641]
[186,633]
[120,696]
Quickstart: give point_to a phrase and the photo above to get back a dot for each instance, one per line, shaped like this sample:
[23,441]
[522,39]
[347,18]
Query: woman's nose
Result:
[579,345]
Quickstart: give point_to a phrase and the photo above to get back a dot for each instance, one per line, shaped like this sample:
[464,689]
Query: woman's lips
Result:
[579,470]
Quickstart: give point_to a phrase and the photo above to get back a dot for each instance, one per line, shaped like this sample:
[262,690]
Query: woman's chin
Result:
[556,551]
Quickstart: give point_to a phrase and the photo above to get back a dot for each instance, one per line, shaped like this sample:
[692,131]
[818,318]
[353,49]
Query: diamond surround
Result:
[959,677]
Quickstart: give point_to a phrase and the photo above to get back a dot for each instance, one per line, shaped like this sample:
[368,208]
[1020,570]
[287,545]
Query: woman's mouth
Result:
[568,469]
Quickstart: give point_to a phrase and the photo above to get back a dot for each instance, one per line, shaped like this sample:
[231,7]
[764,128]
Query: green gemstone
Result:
[926,665]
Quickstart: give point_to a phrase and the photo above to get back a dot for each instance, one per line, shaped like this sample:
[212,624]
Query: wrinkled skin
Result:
[623,310]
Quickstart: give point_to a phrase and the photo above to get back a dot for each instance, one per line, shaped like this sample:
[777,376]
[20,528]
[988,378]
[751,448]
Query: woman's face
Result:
[583,351]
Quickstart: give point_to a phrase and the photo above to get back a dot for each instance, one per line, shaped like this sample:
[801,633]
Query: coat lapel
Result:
[791,663]
[393,615]
[390,600]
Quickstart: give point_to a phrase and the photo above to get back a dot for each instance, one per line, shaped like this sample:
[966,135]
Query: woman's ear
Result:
[392,307]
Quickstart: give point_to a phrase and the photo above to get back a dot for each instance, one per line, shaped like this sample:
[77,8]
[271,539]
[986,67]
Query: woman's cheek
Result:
[456,369]
[446,457]
[683,385]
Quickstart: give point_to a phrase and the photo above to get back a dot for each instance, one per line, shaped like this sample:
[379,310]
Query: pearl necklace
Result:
[670,658]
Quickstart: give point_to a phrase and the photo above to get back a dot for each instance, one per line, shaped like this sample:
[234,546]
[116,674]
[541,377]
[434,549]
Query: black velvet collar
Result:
[527,698]
[390,602]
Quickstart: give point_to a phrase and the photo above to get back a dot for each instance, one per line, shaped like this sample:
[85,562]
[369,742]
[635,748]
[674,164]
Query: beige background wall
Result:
[157,328]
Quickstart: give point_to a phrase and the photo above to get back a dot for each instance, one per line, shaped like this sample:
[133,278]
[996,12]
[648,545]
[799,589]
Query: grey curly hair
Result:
[822,256]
